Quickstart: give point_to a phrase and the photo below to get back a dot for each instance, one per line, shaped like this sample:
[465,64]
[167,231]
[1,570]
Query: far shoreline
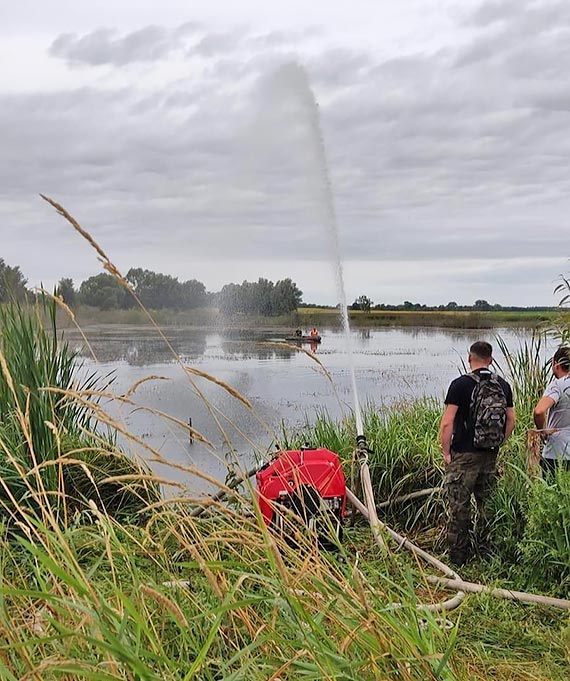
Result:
[307,317]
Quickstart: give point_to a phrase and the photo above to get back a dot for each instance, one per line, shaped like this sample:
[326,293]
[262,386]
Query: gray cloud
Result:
[154,43]
[148,44]
[214,44]
[497,11]
[460,154]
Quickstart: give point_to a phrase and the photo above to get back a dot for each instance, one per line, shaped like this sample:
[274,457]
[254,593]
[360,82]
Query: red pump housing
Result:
[306,481]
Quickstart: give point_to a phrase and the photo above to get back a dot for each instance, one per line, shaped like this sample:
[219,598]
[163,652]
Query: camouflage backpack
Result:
[488,412]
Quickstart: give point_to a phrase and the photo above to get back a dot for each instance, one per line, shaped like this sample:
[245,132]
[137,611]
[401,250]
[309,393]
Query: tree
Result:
[103,291]
[12,283]
[154,290]
[452,305]
[482,305]
[192,294]
[66,290]
[286,297]
[364,303]
[158,291]
[263,298]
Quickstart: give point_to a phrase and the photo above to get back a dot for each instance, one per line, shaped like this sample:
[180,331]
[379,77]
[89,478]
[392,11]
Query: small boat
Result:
[303,339]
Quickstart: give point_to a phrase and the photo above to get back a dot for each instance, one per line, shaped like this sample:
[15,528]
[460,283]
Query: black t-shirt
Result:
[459,393]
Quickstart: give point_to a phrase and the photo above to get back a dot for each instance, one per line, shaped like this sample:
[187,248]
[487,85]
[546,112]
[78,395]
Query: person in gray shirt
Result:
[552,414]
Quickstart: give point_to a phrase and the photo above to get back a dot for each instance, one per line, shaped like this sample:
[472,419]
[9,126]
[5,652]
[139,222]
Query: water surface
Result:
[282,384]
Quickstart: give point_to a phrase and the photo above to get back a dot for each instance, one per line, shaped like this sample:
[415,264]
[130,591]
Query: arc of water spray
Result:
[298,77]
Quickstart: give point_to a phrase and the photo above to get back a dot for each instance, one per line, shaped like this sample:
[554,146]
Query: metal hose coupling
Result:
[362,448]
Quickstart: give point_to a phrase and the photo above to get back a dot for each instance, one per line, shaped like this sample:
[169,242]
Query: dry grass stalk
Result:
[228,388]
[145,379]
[166,602]
[297,348]
[533,450]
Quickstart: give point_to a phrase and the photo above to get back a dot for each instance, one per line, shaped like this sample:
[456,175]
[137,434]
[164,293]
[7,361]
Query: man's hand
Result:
[446,431]
[545,433]
[541,411]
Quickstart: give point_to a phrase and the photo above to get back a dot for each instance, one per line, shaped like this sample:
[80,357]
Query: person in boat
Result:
[298,333]
[314,332]
[552,415]
[479,417]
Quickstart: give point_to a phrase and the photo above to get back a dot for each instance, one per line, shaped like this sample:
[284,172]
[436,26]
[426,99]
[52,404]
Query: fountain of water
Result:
[297,80]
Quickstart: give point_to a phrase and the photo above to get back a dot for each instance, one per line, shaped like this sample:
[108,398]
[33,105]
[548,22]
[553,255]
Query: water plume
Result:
[291,83]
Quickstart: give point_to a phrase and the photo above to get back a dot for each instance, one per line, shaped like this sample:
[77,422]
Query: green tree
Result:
[364,303]
[262,297]
[154,290]
[228,299]
[482,305]
[158,291]
[192,294]
[66,290]
[12,283]
[104,292]
[286,297]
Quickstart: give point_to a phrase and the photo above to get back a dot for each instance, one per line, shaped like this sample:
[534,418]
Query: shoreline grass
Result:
[320,317]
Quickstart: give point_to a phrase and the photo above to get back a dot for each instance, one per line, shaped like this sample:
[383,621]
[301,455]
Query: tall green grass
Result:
[54,456]
[404,454]
[528,369]
[100,603]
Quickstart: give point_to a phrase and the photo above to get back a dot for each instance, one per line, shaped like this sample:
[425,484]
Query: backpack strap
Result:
[478,378]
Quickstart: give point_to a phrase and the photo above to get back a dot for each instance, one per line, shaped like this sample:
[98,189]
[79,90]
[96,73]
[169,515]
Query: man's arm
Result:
[446,431]
[541,410]
[510,423]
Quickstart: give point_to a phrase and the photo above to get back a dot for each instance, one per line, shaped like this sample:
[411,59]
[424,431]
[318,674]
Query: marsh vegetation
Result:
[103,578]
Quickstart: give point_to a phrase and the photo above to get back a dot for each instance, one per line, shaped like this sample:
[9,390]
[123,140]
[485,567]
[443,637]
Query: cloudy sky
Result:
[182,136]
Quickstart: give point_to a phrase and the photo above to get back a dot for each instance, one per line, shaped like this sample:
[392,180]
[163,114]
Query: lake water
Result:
[282,384]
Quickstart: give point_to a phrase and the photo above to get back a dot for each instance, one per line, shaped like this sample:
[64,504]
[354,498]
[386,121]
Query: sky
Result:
[186,138]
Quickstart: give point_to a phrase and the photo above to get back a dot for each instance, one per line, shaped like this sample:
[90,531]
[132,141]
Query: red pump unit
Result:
[310,483]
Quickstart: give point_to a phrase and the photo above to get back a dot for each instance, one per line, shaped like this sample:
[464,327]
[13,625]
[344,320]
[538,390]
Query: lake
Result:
[282,384]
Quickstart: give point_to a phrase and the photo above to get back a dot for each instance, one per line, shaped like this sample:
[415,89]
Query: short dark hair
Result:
[481,349]
[562,358]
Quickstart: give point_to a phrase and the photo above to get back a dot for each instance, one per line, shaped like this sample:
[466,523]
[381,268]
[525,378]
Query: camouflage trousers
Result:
[469,473]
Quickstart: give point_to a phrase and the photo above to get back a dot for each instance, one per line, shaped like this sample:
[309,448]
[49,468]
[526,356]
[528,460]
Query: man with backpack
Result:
[479,417]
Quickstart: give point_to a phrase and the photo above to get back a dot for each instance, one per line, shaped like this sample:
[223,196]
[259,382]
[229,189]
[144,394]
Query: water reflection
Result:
[138,347]
[143,347]
[262,350]
[282,383]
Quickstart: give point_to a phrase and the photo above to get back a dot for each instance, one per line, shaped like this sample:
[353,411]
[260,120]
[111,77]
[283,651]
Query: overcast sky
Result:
[180,135]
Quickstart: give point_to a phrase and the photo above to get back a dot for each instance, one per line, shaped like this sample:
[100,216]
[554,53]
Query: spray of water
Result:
[295,79]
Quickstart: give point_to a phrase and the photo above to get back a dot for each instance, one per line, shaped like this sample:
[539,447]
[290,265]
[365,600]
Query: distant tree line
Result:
[158,291]
[161,291]
[364,304]
[154,290]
